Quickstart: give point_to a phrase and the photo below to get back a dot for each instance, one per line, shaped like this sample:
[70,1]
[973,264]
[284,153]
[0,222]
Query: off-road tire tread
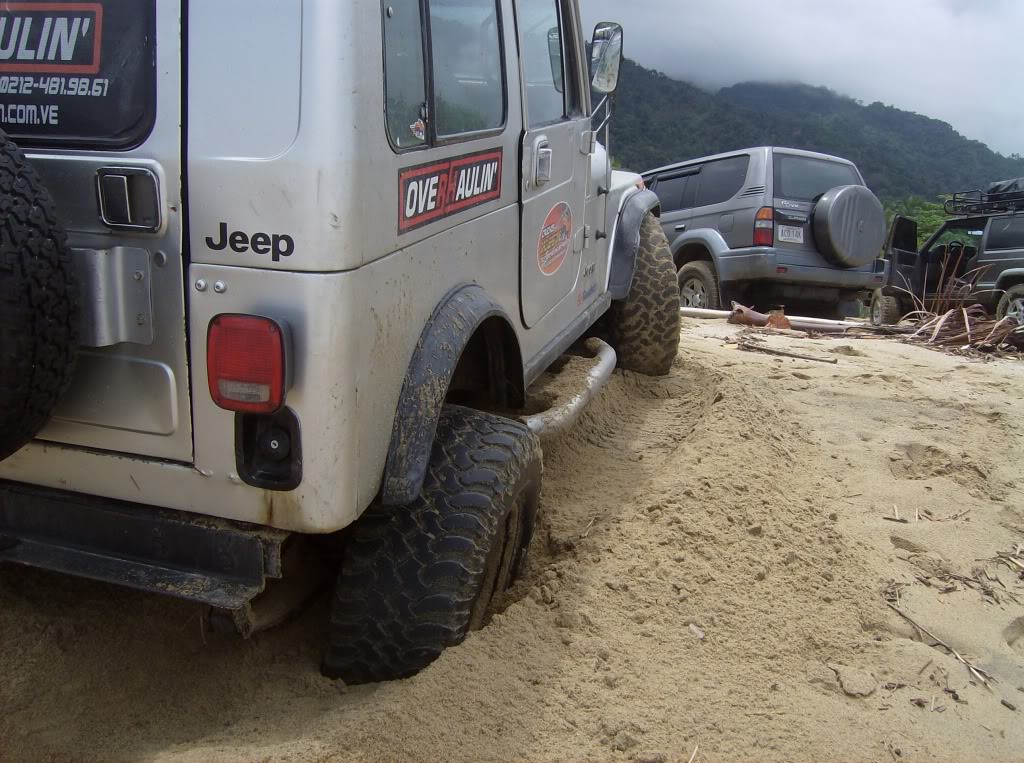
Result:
[644,327]
[38,303]
[410,575]
[706,272]
[1004,303]
[891,309]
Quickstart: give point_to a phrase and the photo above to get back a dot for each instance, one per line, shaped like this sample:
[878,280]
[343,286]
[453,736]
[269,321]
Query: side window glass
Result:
[540,29]
[670,192]
[690,192]
[722,180]
[405,83]
[469,90]
[1006,233]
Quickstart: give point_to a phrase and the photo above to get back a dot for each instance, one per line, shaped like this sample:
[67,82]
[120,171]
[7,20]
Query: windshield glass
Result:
[802,179]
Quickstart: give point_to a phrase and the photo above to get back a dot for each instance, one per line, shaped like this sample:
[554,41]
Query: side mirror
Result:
[606,57]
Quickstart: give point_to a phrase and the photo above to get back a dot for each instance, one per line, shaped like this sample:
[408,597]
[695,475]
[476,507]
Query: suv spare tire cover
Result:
[38,303]
[849,226]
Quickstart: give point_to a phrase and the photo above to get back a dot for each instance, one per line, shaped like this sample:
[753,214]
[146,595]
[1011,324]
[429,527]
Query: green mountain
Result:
[659,120]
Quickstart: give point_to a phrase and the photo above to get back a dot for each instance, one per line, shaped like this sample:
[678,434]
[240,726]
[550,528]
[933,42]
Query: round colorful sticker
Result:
[555,239]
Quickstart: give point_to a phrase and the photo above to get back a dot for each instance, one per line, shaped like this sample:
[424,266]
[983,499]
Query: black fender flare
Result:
[1009,278]
[438,352]
[627,241]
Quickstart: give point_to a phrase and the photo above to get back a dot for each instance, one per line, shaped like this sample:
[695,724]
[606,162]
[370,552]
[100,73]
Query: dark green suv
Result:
[976,257]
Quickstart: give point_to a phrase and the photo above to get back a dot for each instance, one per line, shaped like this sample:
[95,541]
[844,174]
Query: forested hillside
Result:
[659,120]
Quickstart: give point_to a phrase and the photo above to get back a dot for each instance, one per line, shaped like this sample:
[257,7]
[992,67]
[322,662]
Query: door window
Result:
[404,77]
[548,98]
[469,94]
[721,180]
[1006,233]
[670,192]
[466,70]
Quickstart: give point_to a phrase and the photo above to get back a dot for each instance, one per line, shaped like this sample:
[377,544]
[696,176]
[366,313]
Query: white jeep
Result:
[274,280]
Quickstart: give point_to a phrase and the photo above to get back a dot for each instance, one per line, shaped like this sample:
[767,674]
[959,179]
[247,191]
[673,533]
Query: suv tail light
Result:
[764,227]
[245,361]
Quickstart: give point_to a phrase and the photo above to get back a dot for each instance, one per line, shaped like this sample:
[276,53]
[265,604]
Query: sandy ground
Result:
[710,573]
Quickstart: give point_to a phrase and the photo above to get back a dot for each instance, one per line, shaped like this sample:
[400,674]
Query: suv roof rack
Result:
[1000,197]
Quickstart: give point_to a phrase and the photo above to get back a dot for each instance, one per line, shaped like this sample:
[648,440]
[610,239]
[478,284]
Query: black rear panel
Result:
[78,74]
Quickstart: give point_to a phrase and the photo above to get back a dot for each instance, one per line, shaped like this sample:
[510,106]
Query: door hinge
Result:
[588,143]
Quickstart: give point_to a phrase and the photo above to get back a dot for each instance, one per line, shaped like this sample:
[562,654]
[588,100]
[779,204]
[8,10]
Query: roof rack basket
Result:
[1001,197]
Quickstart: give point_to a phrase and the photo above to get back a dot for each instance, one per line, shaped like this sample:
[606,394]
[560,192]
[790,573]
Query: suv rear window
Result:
[800,178]
[1006,233]
[78,74]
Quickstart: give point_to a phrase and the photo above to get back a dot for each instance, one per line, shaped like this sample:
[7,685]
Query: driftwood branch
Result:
[980,674]
[752,347]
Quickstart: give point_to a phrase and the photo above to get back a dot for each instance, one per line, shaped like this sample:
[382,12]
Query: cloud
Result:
[955,60]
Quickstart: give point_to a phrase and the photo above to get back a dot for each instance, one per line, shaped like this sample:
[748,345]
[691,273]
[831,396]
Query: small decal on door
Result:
[431,192]
[555,239]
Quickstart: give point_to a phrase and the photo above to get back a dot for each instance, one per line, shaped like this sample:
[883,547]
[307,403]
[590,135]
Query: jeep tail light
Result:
[764,227]
[245,361]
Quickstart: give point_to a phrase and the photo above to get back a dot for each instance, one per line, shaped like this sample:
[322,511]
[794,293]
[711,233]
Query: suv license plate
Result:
[790,235]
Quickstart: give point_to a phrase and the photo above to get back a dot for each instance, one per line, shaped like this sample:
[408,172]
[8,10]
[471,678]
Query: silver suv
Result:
[772,225]
[275,279]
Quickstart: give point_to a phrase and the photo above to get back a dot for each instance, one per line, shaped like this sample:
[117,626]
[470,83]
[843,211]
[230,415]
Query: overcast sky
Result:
[955,60]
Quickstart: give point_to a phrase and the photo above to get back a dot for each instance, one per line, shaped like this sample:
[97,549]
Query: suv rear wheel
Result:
[1012,304]
[885,310]
[416,579]
[698,286]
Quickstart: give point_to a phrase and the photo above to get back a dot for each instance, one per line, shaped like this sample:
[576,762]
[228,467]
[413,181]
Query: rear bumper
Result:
[768,264]
[216,562]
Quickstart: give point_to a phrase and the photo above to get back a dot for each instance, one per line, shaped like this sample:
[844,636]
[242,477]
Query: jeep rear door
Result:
[555,156]
[92,92]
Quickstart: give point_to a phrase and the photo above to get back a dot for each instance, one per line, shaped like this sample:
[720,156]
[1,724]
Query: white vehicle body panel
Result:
[286,137]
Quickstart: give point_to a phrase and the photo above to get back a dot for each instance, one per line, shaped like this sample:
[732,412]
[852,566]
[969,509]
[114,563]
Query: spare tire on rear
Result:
[38,303]
[849,226]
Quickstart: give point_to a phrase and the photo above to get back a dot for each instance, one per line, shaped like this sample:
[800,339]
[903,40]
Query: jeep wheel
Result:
[415,580]
[644,327]
[885,310]
[38,303]
[698,286]
[1012,304]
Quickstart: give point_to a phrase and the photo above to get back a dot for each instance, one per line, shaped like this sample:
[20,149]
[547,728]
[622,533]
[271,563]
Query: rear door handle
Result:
[544,157]
[681,228]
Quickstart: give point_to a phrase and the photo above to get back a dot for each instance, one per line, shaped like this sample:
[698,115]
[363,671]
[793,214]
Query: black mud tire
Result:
[38,303]
[1012,304]
[703,273]
[885,310]
[417,579]
[644,327]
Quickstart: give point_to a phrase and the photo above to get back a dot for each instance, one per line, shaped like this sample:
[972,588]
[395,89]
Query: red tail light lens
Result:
[245,361]
[764,227]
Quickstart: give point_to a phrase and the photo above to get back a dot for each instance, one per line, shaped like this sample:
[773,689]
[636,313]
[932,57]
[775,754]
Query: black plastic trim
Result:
[627,241]
[199,558]
[440,347]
